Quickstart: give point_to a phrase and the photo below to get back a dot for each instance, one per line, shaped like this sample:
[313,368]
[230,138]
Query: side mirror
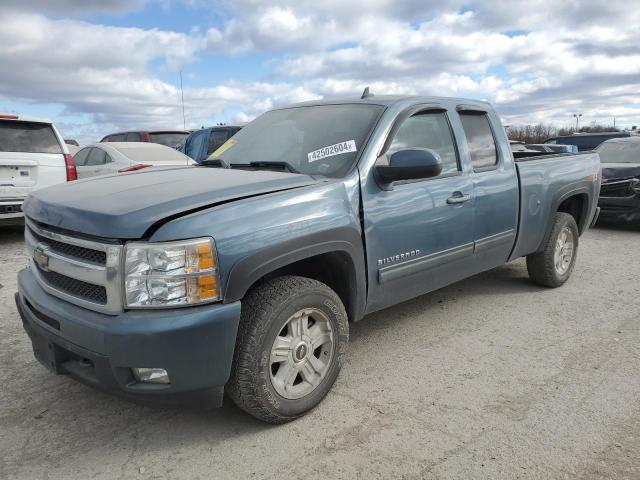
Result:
[408,164]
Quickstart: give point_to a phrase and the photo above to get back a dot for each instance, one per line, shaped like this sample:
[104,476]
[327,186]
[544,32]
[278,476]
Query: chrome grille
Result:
[94,256]
[77,288]
[80,271]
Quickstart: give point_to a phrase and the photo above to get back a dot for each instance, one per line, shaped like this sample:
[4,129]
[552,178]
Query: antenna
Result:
[184,120]
[366,93]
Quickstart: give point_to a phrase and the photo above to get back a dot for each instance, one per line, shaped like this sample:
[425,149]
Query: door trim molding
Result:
[492,241]
[415,265]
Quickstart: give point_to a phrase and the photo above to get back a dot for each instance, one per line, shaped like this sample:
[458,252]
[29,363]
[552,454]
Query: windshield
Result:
[619,152]
[169,139]
[316,140]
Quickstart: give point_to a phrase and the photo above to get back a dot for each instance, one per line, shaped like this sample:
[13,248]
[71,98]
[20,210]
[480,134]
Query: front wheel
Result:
[552,266]
[291,344]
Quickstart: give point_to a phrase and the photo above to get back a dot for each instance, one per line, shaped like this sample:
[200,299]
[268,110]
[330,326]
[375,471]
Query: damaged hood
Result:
[125,206]
[620,171]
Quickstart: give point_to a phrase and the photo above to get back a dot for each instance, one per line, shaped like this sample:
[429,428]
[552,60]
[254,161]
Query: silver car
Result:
[119,157]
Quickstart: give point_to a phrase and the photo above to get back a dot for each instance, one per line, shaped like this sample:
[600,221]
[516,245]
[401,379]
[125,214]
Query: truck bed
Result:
[545,181]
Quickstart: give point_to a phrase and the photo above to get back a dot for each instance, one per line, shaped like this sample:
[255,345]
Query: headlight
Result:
[170,274]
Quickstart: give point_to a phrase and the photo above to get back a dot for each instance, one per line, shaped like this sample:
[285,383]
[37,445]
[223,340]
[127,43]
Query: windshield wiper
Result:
[214,162]
[282,165]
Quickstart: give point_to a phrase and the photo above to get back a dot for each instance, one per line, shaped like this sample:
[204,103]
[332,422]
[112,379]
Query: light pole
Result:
[577,117]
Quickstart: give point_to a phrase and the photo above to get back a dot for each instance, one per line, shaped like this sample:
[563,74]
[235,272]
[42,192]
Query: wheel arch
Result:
[576,203]
[337,263]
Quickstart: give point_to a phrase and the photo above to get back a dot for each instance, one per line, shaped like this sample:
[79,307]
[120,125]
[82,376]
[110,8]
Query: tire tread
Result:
[257,309]
[540,265]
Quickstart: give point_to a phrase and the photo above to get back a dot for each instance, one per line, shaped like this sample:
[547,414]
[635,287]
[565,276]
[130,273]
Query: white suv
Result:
[33,155]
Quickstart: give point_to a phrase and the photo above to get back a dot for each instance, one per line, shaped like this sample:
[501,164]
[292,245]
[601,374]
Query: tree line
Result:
[540,132]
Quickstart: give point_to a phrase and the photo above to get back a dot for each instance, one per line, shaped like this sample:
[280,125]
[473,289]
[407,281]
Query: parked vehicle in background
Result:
[585,141]
[552,148]
[518,146]
[120,157]
[620,190]
[202,143]
[73,146]
[170,138]
[328,210]
[33,155]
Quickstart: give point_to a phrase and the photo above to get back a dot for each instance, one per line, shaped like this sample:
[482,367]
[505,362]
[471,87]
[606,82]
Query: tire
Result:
[544,266]
[272,312]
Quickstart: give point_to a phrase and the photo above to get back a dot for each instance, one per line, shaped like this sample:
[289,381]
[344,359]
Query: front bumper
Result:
[623,208]
[194,345]
[11,211]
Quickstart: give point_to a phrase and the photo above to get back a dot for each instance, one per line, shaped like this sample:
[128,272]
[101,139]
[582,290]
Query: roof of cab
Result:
[387,100]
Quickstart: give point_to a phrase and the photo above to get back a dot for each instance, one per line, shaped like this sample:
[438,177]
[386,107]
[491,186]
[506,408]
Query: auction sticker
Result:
[331,150]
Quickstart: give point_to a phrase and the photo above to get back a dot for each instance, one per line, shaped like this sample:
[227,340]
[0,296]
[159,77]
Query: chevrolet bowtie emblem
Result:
[41,259]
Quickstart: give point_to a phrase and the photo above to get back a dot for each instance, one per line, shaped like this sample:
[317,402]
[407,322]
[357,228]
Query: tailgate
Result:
[31,157]
[21,173]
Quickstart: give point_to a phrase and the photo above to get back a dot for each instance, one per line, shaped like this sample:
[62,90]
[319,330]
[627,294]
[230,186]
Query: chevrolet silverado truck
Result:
[241,275]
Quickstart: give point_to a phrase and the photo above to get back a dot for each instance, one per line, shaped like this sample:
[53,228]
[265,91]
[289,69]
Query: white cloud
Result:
[537,60]
[73,7]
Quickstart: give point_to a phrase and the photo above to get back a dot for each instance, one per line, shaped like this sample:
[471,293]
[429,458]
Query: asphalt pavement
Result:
[493,377]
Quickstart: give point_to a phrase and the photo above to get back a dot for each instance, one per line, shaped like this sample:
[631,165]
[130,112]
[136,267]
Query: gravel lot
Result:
[492,377]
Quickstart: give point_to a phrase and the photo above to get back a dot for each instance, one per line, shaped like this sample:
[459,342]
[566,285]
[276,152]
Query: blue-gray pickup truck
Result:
[241,275]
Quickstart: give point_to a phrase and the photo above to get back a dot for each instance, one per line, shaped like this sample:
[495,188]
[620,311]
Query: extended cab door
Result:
[495,187]
[419,236]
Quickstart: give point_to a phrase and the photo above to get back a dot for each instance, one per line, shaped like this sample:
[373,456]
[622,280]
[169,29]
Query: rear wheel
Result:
[291,344]
[552,266]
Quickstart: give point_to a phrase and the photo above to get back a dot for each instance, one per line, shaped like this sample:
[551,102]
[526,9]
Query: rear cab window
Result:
[28,137]
[480,140]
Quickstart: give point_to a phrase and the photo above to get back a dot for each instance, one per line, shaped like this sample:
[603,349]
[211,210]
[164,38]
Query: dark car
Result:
[620,191]
[170,138]
[585,141]
[202,143]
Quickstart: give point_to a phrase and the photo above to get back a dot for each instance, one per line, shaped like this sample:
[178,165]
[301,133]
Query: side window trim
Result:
[409,112]
[417,110]
[471,109]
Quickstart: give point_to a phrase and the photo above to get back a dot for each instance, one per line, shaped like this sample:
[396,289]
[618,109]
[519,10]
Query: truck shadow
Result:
[620,226]
[11,234]
[508,279]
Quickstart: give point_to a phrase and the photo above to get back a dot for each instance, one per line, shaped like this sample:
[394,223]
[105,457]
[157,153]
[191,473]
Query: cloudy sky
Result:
[96,66]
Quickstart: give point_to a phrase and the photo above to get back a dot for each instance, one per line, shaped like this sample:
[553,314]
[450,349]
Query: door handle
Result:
[457,198]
